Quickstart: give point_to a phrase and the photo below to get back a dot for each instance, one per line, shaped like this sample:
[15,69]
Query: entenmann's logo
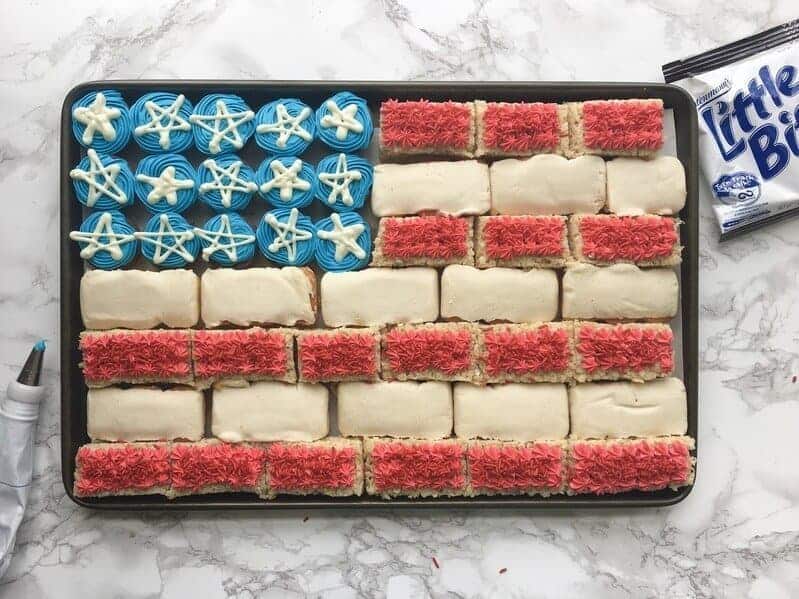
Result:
[740,188]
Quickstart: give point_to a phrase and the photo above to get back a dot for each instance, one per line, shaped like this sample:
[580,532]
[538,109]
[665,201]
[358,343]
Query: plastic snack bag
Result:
[747,97]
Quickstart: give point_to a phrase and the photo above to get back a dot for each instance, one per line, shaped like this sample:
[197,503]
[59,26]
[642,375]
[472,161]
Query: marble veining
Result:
[737,534]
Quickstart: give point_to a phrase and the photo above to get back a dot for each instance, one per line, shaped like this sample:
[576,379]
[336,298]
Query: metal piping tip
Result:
[32,370]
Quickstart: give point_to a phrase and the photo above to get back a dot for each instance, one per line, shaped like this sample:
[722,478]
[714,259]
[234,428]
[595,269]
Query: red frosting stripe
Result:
[200,465]
[506,468]
[523,351]
[412,467]
[625,347]
[623,125]
[616,467]
[303,467]
[129,356]
[422,349]
[255,352]
[521,127]
[633,238]
[338,355]
[508,237]
[423,124]
[440,237]
[123,467]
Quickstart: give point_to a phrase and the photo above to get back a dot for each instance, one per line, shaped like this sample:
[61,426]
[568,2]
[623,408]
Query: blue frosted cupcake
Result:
[285,127]
[166,183]
[221,123]
[227,239]
[101,121]
[344,242]
[343,181]
[161,122]
[226,183]
[168,241]
[103,182]
[343,122]
[286,182]
[287,237]
[106,240]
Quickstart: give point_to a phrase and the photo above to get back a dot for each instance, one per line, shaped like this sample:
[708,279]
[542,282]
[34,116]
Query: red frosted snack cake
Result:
[435,240]
[522,241]
[123,356]
[338,355]
[332,466]
[647,240]
[254,354]
[526,353]
[415,468]
[428,128]
[616,127]
[512,468]
[103,469]
[616,466]
[433,351]
[635,351]
[521,128]
[211,466]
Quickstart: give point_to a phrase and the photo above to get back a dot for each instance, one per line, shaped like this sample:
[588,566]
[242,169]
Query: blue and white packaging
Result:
[747,98]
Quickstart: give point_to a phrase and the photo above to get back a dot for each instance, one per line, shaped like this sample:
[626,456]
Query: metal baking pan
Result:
[73,389]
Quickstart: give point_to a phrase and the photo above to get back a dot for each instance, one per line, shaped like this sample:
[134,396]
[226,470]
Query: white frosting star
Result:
[343,119]
[107,187]
[339,182]
[230,132]
[344,238]
[165,229]
[286,126]
[157,124]
[287,179]
[165,185]
[97,118]
[226,181]
[103,228]
[288,234]
[235,240]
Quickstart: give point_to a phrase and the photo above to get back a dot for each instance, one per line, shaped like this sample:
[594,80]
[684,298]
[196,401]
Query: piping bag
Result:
[19,413]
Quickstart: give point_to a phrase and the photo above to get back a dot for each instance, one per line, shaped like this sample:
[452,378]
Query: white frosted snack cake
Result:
[421,127]
[616,127]
[548,184]
[139,299]
[623,409]
[253,354]
[332,466]
[638,351]
[211,466]
[512,412]
[521,128]
[409,409]
[270,411]
[654,186]
[284,296]
[433,240]
[415,467]
[516,468]
[144,414]
[527,353]
[498,294]
[136,356]
[522,241]
[338,355]
[459,188]
[378,296]
[646,240]
[619,292]
[433,351]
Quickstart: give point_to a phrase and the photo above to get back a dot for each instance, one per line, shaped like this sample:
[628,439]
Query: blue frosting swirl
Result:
[161,122]
[106,240]
[226,183]
[168,241]
[343,181]
[340,134]
[227,239]
[107,134]
[287,237]
[337,255]
[175,197]
[286,182]
[221,123]
[285,127]
[103,182]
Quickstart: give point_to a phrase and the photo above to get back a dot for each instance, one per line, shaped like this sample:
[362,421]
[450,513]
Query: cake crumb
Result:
[793,380]
[435,562]
[305,519]
[503,570]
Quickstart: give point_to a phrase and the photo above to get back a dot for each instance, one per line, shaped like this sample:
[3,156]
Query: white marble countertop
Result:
[737,534]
